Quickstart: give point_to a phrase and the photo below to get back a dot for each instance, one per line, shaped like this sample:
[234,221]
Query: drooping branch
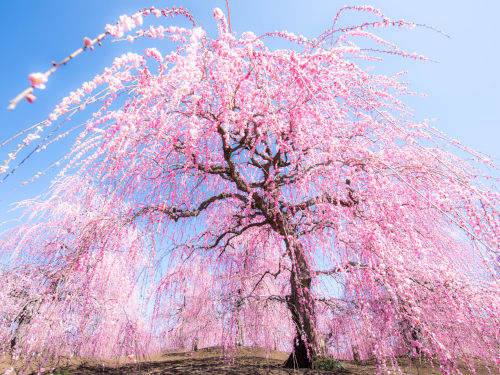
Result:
[325,197]
[233,233]
[275,275]
[348,266]
[89,43]
[228,16]
[175,213]
[29,90]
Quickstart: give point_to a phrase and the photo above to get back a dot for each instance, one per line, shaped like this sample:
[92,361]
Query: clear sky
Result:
[462,87]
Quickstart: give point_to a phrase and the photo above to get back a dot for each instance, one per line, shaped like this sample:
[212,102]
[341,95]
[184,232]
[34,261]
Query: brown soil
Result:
[213,361]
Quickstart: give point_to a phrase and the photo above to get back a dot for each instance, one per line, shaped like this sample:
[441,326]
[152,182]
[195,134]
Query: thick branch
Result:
[349,265]
[326,197]
[236,233]
[176,213]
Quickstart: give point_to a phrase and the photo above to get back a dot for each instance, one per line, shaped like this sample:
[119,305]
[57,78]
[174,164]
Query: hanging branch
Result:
[228,16]
[29,90]
[116,31]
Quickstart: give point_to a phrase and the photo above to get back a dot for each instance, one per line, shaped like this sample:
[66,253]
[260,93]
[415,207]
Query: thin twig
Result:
[29,90]
[228,16]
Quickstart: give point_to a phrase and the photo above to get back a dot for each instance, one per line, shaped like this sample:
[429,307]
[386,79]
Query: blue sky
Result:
[462,87]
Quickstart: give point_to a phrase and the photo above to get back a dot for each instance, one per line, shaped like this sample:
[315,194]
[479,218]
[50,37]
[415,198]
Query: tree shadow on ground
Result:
[211,365]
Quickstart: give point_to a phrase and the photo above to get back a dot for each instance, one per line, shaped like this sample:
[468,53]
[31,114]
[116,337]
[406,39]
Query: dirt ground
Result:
[213,361]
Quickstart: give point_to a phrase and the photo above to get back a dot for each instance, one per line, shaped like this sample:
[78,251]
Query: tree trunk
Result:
[304,346]
[25,317]
[239,326]
[321,345]
[355,353]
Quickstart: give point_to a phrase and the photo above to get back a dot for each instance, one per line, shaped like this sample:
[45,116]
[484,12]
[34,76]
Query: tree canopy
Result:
[247,196]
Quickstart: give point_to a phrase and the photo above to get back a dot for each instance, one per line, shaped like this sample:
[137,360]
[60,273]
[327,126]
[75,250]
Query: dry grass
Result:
[214,361]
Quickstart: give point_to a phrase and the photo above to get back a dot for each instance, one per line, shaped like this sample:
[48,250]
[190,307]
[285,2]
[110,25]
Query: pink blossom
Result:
[37,80]
[198,33]
[218,14]
[127,23]
[88,43]
[116,31]
[297,133]
[30,98]
[416,344]
[138,19]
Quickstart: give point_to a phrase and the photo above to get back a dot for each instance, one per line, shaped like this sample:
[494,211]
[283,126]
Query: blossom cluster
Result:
[257,176]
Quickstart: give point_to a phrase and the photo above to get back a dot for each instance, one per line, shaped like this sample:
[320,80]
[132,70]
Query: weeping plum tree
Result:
[269,176]
[231,299]
[71,287]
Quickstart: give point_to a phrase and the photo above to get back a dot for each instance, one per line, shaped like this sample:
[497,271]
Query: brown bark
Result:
[302,312]
[239,327]
[355,353]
